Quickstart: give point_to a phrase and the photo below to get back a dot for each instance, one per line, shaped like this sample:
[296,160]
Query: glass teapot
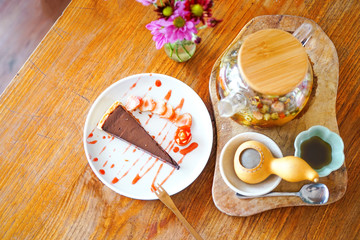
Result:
[266,79]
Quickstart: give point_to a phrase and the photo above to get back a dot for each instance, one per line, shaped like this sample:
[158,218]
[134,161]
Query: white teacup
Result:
[227,165]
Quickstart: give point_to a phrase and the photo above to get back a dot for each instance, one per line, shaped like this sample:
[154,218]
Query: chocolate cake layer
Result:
[122,124]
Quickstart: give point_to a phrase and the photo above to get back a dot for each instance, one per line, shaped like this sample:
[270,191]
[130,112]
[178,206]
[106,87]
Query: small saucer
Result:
[227,171]
[335,141]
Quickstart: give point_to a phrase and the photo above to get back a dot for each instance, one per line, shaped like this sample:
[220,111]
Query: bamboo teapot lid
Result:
[272,61]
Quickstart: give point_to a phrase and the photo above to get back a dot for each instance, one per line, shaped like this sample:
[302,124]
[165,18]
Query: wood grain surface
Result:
[48,190]
[23,24]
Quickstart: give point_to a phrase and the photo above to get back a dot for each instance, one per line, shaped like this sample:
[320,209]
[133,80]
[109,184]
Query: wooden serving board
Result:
[320,111]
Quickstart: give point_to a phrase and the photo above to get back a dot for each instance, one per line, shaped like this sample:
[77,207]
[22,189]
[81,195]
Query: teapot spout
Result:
[293,169]
[231,104]
[225,108]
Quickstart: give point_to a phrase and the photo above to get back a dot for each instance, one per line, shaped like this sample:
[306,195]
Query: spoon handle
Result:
[272,194]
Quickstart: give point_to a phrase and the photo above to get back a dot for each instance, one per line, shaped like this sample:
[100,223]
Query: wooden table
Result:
[47,188]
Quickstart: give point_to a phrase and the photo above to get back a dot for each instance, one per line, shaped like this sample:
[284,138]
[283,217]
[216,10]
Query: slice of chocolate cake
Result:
[120,123]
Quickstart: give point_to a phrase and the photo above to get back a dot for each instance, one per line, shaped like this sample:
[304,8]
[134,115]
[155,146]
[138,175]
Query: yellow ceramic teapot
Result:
[253,163]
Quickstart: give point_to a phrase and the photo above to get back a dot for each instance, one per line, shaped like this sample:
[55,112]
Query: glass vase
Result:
[180,51]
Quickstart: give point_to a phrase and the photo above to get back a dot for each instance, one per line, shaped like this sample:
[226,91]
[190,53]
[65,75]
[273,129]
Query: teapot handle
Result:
[303,33]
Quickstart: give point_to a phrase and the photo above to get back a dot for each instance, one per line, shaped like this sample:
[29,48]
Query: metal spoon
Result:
[314,193]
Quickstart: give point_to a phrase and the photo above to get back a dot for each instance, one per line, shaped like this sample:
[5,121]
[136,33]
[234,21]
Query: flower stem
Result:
[161,2]
[202,27]
[183,46]
[171,49]
[177,52]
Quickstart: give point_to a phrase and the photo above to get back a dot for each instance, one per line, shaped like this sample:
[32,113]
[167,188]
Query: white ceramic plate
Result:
[119,165]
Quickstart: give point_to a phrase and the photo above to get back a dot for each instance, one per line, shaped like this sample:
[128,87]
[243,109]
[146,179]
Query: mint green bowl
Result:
[335,141]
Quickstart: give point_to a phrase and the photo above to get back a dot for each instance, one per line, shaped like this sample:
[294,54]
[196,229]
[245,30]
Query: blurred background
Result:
[23,24]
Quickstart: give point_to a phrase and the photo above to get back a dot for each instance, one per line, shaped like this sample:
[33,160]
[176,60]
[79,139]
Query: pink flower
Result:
[181,27]
[180,30]
[180,9]
[176,28]
[146,2]
[157,29]
[200,9]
